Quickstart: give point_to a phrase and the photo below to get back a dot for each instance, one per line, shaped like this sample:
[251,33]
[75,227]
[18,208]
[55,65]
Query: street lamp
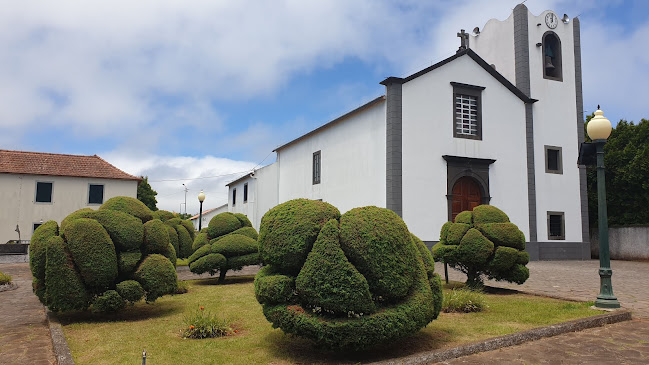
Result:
[201,198]
[599,129]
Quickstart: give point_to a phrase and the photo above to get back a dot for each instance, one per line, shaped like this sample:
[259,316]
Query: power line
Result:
[200,178]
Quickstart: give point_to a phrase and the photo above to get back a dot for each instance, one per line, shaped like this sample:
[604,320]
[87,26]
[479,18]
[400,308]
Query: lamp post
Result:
[599,129]
[201,198]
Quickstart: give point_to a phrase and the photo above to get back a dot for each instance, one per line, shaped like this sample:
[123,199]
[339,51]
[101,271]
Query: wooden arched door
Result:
[466,195]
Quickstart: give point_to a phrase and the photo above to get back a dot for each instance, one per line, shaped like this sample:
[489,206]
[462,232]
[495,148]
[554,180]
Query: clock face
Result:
[551,20]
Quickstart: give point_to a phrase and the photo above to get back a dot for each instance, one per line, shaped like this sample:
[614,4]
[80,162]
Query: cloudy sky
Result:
[197,92]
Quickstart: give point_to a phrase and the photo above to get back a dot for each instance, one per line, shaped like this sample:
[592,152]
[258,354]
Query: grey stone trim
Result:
[558,58]
[470,90]
[580,129]
[558,250]
[522,66]
[559,169]
[563,225]
[393,147]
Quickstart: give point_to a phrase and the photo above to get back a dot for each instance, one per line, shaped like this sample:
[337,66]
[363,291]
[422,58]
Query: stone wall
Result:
[626,243]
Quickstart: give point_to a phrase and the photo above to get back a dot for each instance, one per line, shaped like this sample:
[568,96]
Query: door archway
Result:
[467,195]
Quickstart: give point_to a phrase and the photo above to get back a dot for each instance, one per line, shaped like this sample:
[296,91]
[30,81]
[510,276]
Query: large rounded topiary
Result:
[183,234]
[229,243]
[481,243]
[103,258]
[353,281]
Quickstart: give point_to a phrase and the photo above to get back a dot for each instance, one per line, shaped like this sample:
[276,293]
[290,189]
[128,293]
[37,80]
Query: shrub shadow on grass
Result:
[140,311]
[232,280]
[500,291]
[298,350]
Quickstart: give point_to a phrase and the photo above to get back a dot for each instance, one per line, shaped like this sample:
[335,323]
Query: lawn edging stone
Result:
[512,339]
[59,343]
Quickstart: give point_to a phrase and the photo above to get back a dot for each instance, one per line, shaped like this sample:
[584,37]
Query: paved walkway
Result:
[24,332]
[579,280]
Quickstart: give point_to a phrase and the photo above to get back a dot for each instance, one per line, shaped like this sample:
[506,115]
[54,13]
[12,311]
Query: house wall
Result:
[352,158]
[262,194]
[18,192]
[428,122]
[209,215]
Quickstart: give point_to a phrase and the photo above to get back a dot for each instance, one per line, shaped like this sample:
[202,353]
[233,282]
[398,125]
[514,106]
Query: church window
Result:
[556,226]
[552,69]
[553,160]
[317,167]
[467,106]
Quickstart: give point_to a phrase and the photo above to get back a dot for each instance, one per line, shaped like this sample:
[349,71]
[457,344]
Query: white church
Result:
[498,123]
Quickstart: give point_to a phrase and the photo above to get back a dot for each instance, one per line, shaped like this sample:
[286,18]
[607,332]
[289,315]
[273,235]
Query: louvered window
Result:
[556,226]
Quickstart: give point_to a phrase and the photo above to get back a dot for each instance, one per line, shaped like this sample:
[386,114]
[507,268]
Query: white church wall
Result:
[489,45]
[352,160]
[428,111]
[554,125]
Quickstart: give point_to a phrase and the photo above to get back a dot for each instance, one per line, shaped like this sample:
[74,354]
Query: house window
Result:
[553,160]
[317,168]
[552,57]
[467,106]
[245,192]
[95,194]
[556,226]
[36,225]
[234,197]
[43,192]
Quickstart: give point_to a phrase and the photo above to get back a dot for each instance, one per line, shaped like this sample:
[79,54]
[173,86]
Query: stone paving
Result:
[579,280]
[24,331]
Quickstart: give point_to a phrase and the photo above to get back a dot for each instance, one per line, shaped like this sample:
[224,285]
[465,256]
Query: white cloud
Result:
[167,174]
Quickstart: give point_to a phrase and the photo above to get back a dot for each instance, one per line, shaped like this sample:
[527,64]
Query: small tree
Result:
[146,194]
[228,243]
[481,243]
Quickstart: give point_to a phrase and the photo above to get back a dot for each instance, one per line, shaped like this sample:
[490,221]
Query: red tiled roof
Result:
[54,164]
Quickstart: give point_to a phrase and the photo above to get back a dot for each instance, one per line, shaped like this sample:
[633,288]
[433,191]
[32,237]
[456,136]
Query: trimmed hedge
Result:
[93,252]
[349,289]
[157,276]
[245,222]
[64,288]
[130,206]
[288,231]
[224,245]
[130,290]
[95,255]
[37,253]
[173,238]
[489,246]
[184,242]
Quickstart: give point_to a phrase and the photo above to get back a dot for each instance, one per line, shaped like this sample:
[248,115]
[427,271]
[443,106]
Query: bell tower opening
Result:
[552,57]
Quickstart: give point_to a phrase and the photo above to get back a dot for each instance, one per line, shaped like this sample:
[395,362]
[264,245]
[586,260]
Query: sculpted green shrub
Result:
[183,235]
[363,280]
[103,258]
[227,244]
[481,243]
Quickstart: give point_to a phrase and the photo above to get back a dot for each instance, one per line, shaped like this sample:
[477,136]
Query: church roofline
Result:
[342,117]
[474,56]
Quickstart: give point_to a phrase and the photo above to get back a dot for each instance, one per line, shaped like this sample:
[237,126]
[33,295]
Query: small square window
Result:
[234,197]
[36,225]
[245,192]
[95,194]
[317,167]
[43,192]
[556,226]
[553,160]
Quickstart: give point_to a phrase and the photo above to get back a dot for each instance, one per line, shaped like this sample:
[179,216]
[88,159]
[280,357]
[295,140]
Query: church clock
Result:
[551,20]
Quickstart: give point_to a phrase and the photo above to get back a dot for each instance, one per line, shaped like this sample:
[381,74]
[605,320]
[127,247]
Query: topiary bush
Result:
[183,235]
[229,243]
[103,259]
[481,243]
[346,282]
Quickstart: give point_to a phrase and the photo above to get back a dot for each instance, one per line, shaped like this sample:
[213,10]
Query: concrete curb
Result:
[511,340]
[60,344]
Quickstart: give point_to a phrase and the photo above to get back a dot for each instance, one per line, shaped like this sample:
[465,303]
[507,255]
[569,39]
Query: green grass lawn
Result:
[120,338]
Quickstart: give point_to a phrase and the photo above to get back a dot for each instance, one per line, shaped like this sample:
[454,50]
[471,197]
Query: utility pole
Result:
[186,190]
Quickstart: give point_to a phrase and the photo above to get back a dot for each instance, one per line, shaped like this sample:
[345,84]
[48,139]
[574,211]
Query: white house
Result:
[37,187]
[207,216]
[499,123]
